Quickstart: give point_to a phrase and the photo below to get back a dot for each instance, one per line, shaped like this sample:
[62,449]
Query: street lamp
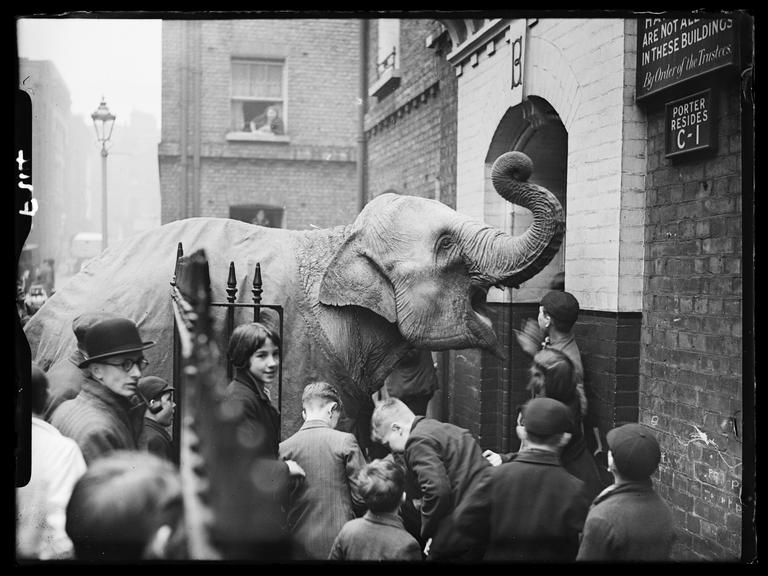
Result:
[103,122]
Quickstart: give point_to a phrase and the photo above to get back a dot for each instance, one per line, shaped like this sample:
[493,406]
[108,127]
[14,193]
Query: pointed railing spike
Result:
[179,254]
[231,284]
[257,290]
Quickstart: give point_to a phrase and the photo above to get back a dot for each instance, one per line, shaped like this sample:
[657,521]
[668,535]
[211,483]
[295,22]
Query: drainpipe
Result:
[183,117]
[363,105]
[196,128]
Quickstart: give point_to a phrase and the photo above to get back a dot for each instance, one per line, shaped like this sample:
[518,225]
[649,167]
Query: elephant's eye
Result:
[444,243]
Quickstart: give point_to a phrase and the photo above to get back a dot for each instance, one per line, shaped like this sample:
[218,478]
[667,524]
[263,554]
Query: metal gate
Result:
[231,305]
[229,511]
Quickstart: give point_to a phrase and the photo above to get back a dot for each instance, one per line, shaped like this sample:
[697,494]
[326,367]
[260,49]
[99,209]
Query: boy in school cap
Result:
[629,521]
[158,395]
[537,508]
[635,451]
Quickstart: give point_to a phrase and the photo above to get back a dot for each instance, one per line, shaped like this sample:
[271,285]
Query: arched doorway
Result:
[535,128]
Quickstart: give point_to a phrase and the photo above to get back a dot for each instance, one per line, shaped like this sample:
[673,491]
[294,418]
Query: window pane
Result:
[240,79]
[275,74]
[257,85]
[258,79]
[389,40]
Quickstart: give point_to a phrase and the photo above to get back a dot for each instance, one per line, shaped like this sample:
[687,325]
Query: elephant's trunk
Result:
[499,258]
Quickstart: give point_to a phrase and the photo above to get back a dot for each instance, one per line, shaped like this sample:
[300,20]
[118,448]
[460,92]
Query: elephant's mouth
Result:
[479,323]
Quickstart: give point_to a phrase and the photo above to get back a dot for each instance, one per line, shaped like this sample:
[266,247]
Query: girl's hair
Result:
[246,339]
[558,373]
[380,484]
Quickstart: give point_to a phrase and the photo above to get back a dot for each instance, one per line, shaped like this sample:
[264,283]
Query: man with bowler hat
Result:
[108,412]
[628,521]
[65,377]
[536,507]
[158,395]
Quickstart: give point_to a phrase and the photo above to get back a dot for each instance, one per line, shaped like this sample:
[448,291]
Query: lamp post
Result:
[103,122]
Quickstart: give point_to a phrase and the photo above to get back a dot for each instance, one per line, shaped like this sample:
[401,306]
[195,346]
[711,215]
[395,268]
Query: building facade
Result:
[696,354]
[59,169]
[410,122]
[260,121]
[652,248]
[532,85]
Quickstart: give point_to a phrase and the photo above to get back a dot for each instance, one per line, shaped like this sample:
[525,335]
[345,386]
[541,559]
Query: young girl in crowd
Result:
[254,351]
[552,377]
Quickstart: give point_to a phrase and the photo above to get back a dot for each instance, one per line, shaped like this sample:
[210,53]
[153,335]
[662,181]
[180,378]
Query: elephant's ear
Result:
[354,279]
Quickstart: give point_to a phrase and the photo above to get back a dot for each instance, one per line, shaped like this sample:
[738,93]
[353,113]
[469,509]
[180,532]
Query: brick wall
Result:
[411,131]
[312,175]
[448,105]
[610,351]
[691,354]
[405,155]
[465,391]
[318,193]
[496,429]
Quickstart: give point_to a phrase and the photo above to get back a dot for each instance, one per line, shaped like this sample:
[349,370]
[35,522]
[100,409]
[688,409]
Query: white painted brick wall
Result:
[631,247]
[580,68]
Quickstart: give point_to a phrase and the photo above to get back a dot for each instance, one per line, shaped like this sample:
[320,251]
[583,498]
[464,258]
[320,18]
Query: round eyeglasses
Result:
[129,363]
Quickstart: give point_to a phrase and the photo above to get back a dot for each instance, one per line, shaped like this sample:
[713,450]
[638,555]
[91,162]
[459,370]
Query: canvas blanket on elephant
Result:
[408,272]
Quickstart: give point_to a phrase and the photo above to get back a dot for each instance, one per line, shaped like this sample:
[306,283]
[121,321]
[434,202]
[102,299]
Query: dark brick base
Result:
[610,352]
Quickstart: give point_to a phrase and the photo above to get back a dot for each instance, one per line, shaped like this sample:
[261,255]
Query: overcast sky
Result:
[119,59]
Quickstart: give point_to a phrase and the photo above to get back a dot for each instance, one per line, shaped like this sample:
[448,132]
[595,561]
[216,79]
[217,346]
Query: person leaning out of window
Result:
[268,123]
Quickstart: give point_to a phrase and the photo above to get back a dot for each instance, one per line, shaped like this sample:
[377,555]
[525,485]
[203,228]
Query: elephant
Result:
[409,272]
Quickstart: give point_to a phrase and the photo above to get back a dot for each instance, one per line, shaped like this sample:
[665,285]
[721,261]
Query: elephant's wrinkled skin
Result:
[408,272]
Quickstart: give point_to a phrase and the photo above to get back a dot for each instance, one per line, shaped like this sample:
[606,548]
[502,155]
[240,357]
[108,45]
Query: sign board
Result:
[673,50]
[690,124]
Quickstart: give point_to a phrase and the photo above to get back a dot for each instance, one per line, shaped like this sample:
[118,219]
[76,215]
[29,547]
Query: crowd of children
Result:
[104,487]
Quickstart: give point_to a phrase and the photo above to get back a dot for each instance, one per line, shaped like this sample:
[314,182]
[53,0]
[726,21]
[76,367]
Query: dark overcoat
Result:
[155,439]
[261,417]
[446,467]
[261,421]
[65,380]
[375,537]
[628,522]
[100,421]
[537,510]
[577,459]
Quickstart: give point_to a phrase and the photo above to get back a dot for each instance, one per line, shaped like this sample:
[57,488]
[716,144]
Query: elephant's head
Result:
[427,268]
